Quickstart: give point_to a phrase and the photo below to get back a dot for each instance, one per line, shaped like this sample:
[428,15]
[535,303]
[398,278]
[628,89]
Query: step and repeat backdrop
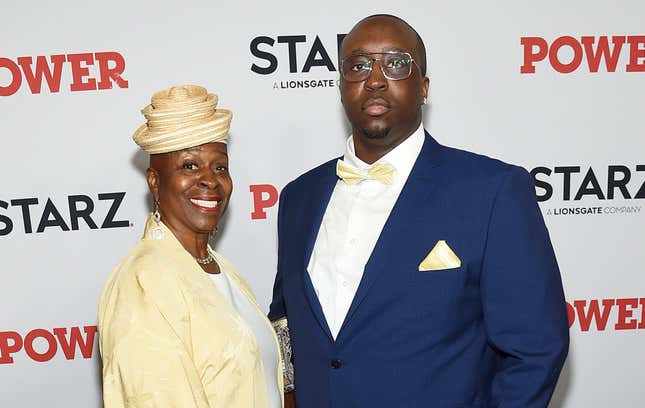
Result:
[555,87]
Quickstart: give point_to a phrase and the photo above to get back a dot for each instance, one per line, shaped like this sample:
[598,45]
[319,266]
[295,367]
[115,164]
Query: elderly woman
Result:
[178,326]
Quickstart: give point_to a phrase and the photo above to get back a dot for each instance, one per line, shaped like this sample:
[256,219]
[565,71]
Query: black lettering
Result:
[291,40]
[339,42]
[323,61]
[594,189]
[613,183]
[566,187]
[267,56]
[548,189]
[24,203]
[117,199]
[8,224]
[75,213]
[641,191]
[57,221]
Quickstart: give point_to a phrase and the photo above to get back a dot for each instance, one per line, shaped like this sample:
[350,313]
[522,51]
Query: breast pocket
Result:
[438,295]
[440,284]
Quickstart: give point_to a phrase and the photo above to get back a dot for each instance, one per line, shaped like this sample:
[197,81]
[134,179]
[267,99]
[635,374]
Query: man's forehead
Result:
[380,50]
[379,34]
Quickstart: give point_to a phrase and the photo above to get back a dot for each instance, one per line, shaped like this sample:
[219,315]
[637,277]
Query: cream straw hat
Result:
[181,117]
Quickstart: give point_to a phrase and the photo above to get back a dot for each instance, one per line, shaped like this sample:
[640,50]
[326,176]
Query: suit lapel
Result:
[314,210]
[420,185]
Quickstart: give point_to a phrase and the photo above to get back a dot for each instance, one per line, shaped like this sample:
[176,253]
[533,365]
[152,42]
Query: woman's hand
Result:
[290,400]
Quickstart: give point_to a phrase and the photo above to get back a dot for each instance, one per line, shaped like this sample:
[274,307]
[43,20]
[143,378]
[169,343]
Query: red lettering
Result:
[571,314]
[554,59]
[624,313]
[636,53]
[16,77]
[29,345]
[80,72]
[264,196]
[11,342]
[641,325]
[76,339]
[597,50]
[593,313]
[531,57]
[7,349]
[602,52]
[35,77]
[111,66]
[114,73]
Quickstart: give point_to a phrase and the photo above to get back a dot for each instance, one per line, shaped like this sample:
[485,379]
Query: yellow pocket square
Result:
[441,257]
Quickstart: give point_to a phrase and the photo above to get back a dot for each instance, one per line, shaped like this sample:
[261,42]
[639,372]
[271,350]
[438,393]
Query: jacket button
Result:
[336,364]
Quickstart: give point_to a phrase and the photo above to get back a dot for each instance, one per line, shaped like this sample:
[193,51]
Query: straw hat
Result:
[181,117]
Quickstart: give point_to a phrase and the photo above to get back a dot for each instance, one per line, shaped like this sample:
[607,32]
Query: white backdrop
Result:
[74,148]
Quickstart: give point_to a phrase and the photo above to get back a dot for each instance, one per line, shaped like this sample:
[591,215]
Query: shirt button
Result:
[345,284]
[336,364]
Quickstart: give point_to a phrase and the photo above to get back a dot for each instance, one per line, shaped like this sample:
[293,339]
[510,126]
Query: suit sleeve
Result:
[277,310]
[523,301]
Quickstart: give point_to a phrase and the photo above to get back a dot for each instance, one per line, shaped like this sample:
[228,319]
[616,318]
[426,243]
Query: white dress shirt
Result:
[351,225]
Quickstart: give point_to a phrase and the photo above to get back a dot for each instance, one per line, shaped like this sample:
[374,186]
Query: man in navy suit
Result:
[411,274]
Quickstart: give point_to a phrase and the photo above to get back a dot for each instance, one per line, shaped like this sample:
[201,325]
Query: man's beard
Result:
[380,133]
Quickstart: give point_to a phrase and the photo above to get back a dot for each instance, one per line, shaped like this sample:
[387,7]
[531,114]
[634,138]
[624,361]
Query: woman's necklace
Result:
[205,261]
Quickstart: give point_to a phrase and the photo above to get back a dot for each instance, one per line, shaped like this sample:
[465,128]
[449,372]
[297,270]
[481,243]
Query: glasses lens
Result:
[397,66]
[356,67]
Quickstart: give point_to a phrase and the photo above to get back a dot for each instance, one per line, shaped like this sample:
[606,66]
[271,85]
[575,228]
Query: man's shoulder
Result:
[470,161]
[464,163]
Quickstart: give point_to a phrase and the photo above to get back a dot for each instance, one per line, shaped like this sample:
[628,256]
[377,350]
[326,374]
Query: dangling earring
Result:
[213,232]
[157,232]
[425,100]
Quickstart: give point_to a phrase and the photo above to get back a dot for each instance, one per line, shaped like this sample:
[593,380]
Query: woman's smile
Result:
[207,204]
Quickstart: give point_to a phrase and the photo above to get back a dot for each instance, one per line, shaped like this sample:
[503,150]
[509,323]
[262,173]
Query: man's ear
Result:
[424,87]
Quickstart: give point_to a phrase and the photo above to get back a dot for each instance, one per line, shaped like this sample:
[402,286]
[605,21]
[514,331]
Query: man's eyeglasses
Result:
[395,65]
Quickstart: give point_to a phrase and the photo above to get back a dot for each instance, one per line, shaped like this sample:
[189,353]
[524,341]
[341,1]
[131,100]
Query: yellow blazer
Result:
[169,338]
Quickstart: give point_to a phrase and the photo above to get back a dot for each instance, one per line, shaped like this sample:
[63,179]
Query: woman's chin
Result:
[206,228]
[203,224]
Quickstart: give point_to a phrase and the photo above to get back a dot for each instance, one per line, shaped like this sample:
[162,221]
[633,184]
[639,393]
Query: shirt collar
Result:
[401,157]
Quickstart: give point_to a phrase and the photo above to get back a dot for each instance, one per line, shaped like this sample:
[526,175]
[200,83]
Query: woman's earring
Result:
[157,231]
[213,232]
[425,100]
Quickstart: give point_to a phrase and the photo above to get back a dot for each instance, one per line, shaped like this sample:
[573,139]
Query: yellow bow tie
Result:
[382,172]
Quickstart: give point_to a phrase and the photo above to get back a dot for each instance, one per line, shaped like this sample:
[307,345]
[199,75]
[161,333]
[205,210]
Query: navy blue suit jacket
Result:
[491,333]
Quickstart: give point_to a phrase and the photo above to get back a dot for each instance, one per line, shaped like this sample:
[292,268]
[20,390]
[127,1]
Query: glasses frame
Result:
[373,60]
